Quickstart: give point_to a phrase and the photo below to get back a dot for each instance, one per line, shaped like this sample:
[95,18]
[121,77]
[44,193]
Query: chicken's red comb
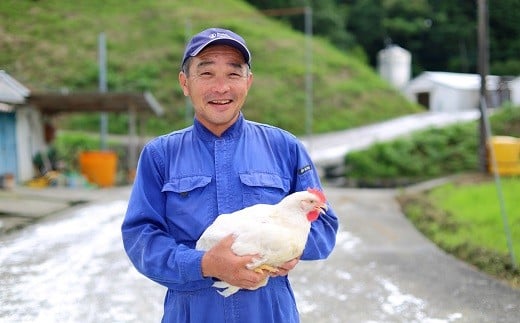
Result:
[318,193]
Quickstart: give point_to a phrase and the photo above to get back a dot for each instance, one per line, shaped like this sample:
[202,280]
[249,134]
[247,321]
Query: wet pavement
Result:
[22,206]
[70,267]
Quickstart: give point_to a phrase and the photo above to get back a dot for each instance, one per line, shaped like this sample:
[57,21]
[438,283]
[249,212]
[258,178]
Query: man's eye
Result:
[205,74]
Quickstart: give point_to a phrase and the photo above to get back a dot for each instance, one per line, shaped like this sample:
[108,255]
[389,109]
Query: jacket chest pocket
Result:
[264,188]
[189,207]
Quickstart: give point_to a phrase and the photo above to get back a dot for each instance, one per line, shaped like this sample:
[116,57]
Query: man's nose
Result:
[220,84]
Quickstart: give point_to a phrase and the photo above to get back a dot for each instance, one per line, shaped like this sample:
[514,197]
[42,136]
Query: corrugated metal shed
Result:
[132,103]
[22,113]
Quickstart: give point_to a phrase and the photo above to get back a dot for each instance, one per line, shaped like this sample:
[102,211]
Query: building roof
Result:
[461,81]
[11,91]
[57,103]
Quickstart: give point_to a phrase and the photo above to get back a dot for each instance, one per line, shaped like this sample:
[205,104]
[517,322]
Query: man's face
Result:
[217,82]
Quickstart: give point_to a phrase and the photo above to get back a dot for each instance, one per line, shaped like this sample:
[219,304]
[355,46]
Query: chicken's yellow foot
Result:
[260,269]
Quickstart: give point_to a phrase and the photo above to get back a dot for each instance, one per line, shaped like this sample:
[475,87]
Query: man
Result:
[220,164]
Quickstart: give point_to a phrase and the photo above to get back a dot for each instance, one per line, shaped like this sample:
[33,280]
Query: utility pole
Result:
[483,69]
[485,127]
[309,97]
[188,114]
[102,58]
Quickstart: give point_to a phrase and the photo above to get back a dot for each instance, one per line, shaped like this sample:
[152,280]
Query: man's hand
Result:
[220,262]
[284,269]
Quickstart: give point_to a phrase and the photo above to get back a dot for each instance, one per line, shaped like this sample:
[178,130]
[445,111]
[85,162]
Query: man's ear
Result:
[183,82]
[249,81]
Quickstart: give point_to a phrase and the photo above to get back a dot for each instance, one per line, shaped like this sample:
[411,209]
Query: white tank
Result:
[394,64]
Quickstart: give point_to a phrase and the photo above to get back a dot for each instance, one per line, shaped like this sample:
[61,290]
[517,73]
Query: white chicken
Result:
[277,233]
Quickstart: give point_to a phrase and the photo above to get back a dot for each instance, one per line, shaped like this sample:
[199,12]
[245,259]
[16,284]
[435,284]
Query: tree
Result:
[328,18]
[441,35]
[365,21]
[504,35]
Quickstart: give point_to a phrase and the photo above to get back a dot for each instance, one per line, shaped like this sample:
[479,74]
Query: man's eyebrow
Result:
[205,63]
[209,62]
[236,65]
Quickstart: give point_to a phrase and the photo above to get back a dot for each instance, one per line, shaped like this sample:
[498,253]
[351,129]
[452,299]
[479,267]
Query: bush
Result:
[70,145]
[506,121]
[427,154]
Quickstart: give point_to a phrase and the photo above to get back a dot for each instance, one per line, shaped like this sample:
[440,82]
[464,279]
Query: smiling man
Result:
[220,164]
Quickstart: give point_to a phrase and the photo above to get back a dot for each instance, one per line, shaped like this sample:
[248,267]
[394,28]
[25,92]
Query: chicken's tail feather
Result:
[228,289]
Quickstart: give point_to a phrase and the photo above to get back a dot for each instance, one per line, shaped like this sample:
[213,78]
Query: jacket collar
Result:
[234,131]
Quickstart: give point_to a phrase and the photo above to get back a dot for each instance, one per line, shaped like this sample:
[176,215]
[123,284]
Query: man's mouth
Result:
[220,102]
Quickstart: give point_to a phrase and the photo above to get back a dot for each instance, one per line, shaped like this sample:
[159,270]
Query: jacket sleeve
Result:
[146,238]
[322,237]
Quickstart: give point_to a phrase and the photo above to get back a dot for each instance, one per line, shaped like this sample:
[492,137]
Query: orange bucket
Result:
[99,167]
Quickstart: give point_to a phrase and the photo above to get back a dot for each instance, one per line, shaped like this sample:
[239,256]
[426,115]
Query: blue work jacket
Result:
[184,180]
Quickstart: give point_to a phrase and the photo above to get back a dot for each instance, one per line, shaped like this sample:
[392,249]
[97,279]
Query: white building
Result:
[445,91]
[514,86]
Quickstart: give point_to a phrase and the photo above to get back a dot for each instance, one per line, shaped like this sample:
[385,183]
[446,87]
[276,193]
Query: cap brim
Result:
[229,42]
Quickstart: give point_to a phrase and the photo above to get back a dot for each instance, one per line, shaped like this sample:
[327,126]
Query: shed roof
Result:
[55,103]
[11,91]
[459,81]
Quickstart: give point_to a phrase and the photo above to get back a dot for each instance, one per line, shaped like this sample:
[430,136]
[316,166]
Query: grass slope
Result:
[50,45]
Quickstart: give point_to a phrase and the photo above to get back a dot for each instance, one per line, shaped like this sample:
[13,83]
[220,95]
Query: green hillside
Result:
[50,45]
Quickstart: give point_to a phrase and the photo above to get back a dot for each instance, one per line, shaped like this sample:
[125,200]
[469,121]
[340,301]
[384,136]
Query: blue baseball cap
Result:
[216,36]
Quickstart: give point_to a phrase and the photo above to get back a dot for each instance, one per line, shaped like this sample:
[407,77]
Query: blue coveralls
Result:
[184,180]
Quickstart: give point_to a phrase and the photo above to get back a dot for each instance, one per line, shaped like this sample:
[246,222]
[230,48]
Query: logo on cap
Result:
[219,35]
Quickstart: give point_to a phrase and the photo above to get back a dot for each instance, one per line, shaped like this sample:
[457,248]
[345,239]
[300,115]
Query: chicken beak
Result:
[323,208]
